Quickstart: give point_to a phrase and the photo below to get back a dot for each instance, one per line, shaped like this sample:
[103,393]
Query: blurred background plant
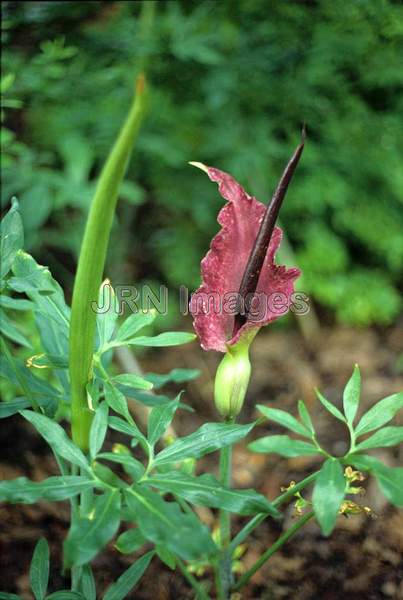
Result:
[231,85]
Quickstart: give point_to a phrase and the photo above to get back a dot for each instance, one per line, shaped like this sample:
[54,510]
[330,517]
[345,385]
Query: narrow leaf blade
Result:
[126,582]
[208,438]
[351,395]
[283,445]
[39,569]
[328,494]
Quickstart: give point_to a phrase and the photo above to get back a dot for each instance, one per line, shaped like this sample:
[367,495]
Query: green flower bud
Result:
[232,379]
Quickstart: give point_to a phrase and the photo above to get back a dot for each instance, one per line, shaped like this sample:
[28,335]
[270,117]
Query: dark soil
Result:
[362,560]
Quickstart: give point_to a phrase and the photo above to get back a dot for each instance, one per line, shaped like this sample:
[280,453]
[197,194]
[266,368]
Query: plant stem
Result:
[200,592]
[259,518]
[90,269]
[225,478]
[270,551]
[224,574]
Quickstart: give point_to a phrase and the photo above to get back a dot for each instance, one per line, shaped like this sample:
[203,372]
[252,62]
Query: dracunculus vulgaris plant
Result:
[152,486]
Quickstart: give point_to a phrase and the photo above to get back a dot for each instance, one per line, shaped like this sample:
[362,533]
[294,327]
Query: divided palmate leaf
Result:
[133,380]
[164,523]
[170,338]
[130,541]
[351,395]
[205,490]
[98,429]
[135,323]
[283,445]
[11,407]
[107,313]
[330,407]
[116,400]
[208,438]
[388,436]
[25,491]
[305,416]
[381,413]
[390,479]
[130,464]
[126,582]
[88,588]
[285,419]
[39,569]
[160,418]
[9,330]
[328,494]
[174,376]
[57,438]
[130,429]
[88,535]
[11,238]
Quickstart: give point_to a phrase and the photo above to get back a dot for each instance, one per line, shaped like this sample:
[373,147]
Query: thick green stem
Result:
[270,551]
[259,518]
[91,266]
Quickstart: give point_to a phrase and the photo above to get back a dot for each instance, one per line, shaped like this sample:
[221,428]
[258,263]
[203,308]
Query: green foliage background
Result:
[231,84]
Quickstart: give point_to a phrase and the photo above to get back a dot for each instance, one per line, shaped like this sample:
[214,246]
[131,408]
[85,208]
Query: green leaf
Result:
[207,491]
[128,428]
[88,535]
[19,374]
[390,479]
[146,398]
[305,416]
[66,595]
[116,400]
[106,475]
[283,418]
[283,445]
[134,323]
[160,418]
[10,407]
[52,315]
[330,407]
[7,596]
[53,361]
[388,436]
[126,582]
[351,395]
[25,491]
[11,238]
[133,380]
[208,438]
[106,320]
[164,523]
[132,466]
[39,569]
[165,556]
[56,437]
[87,585]
[170,338]
[174,376]
[130,541]
[328,494]
[381,413]
[8,329]
[15,303]
[98,430]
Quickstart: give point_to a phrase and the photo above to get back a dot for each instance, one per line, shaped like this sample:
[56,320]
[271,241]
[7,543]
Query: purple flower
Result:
[242,288]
